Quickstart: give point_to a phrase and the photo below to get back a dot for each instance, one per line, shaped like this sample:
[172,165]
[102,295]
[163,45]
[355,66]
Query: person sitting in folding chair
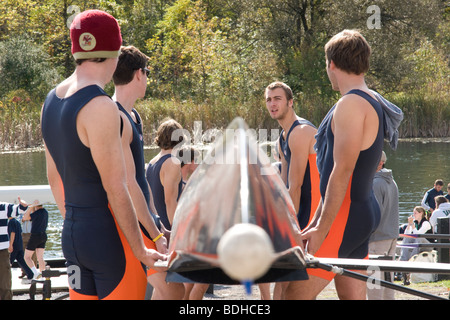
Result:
[417,224]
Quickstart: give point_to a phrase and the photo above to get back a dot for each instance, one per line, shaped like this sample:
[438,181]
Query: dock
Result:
[58,283]
[58,280]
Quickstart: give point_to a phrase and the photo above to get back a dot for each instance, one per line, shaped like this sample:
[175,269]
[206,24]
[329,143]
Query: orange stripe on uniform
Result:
[73,295]
[330,247]
[315,185]
[134,283]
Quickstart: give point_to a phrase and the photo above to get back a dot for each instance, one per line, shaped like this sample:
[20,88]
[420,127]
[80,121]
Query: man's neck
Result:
[91,73]
[348,82]
[125,98]
[163,152]
[287,121]
[81,78]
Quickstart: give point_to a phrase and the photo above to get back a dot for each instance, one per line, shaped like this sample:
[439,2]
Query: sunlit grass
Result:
[20,116]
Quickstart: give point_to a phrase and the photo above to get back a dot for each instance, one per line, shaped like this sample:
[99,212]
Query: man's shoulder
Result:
[348,110]
[433,191]
[99,113]
[353,103]
[171,163]
[303,130]
[103,102]
[126,125]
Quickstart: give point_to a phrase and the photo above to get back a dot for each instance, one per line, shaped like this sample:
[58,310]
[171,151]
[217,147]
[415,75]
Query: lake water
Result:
[415,164]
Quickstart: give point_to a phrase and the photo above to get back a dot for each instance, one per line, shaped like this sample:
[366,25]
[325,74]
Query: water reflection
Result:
[23,168]
[55,224]
[416,165]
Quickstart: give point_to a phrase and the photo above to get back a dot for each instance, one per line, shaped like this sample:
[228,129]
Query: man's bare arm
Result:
[98,126]
[55,182]
[138,198]
[299,144]
[347,126]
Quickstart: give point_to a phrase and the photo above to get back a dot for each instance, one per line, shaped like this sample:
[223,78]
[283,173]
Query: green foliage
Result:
[430,70]
[427,106]
[212,59]
[214,114]
[19,121]
[24,65]
[195,56]
[425,115]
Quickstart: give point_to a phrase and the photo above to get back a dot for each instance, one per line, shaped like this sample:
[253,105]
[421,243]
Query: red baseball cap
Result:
[95,34]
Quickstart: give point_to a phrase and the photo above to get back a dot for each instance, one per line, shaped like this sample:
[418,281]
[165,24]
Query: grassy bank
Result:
[19,121]
[425,116]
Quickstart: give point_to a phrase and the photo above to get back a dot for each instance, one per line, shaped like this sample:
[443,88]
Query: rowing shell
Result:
[300,261]
[234,184]
[343,267]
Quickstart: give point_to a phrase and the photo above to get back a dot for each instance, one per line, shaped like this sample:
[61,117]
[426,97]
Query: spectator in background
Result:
[26,234]
[16,248]
[39,218]
[428,199]
[442,211]
[7,210]
[384,240]
[448,192]
[417,224]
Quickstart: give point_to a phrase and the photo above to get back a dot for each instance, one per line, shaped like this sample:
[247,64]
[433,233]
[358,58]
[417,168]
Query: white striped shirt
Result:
[7,210]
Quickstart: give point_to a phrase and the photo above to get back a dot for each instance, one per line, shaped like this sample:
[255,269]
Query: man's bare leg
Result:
[163,290]
[350,288]
[306,289]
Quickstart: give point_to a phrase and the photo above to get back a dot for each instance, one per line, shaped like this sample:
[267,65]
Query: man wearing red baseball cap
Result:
[80,123]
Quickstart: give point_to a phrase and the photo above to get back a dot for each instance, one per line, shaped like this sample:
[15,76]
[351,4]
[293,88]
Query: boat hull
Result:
[234,184]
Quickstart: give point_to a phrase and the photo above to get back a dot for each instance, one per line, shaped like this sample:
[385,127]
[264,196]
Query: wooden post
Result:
[443,227]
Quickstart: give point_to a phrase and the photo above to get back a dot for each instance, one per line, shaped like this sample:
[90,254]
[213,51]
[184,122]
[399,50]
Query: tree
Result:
[404,24]
[24,65]
[208,57]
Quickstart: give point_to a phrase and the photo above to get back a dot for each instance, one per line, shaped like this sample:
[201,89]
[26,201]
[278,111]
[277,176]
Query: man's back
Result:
[86,169]
[74,161]
[386,193]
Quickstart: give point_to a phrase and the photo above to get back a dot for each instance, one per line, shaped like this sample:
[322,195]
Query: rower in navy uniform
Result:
[349,145]
[130,80]
[298,157]
[101,240]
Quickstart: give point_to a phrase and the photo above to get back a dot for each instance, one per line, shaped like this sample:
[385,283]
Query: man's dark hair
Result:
[282,85]
[130,60]
[349,51]
[169,134]
[79,62]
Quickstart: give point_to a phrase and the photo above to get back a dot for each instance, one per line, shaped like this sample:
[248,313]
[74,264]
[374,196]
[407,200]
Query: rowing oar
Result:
[340,266]
[438,245]
[424,245]
[425,235]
